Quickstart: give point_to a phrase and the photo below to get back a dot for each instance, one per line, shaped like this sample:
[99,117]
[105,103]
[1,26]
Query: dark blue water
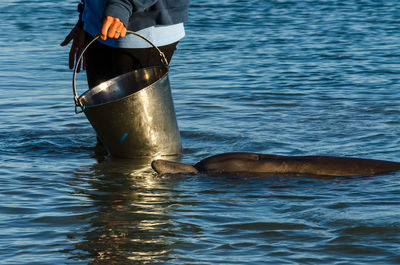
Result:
[280,76]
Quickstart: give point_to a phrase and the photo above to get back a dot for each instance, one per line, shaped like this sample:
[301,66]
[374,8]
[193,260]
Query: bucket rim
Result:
[115,79]
[77,101]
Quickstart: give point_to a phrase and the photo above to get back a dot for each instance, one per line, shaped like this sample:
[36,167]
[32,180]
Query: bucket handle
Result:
[78,103]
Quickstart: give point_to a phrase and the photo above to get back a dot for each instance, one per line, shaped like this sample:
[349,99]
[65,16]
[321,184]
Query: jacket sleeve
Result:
[123,9]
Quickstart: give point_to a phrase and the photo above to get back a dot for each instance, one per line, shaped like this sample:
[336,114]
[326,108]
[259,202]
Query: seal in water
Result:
[251,163]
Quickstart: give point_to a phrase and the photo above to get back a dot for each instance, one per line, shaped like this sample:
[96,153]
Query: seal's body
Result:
[251,163]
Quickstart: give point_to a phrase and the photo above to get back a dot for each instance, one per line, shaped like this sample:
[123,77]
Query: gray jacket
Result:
[140,14]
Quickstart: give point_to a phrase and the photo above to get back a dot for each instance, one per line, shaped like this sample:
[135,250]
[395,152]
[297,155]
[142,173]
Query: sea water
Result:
[308,77]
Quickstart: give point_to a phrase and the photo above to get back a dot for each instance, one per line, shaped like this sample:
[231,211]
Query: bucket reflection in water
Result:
[131,217]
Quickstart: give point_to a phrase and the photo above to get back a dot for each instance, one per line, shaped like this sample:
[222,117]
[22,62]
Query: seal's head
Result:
[169,167]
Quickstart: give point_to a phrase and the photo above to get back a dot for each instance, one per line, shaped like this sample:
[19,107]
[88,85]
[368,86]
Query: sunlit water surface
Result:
[282,77]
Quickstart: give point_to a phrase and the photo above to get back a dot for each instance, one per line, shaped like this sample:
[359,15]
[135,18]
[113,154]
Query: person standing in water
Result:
[116,52]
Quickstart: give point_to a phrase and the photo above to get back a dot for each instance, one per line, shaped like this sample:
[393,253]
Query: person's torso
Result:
[159,35]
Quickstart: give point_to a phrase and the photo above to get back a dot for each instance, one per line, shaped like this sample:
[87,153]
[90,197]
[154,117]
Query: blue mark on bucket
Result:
[123,137]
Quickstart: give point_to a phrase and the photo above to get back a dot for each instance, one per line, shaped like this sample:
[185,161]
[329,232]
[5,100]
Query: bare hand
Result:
[77,35]
[112,28]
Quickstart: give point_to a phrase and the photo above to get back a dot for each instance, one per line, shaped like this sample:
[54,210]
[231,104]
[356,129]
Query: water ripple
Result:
[281,76]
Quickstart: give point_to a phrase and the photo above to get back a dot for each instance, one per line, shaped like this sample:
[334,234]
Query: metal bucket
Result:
[133,114]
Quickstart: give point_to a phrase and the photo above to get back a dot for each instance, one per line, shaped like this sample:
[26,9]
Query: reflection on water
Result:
[280,76]
[130,218]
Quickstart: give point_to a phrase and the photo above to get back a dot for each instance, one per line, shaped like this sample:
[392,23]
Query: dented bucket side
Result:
[142,124]
[133,117]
